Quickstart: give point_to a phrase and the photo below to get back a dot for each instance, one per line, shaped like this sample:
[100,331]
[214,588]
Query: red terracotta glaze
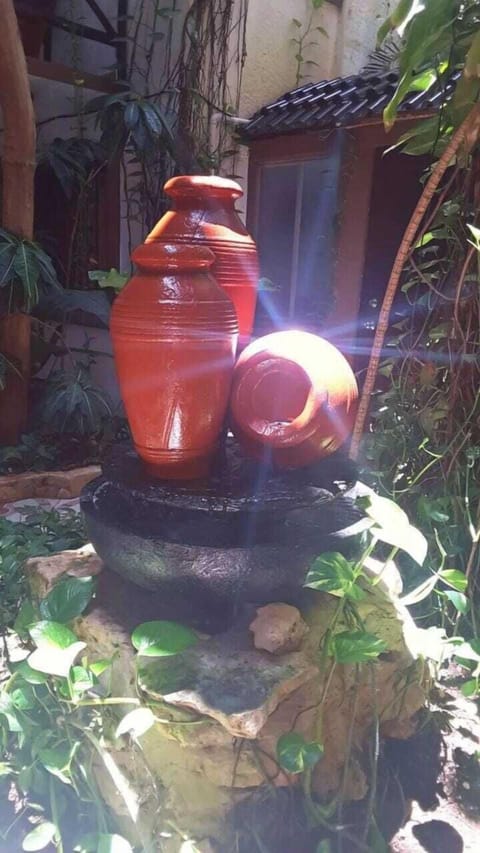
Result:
[204,213]
[293,397]
[174,335]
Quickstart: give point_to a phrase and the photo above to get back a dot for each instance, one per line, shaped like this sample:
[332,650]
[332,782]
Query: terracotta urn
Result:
[293,398]
[203,213]
[174,335]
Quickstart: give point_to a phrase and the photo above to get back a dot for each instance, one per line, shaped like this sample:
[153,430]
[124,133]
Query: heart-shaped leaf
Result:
[82,679]
[51,635]
[55,661]
[455,578]
[39,837]
[32,676]
[102,843]
[136,722]
[159,639]
[458,599]
[332,573]
[295,754]
[68,599]
[391,525]
[357,647]
[57,760]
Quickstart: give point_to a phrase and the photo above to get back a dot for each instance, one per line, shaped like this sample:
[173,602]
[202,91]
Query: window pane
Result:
[278,190]
[313,283]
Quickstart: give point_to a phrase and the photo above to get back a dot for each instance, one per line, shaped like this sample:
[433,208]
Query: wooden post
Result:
[18,168]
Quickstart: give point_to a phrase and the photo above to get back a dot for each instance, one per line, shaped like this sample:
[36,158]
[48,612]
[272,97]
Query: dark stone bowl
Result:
[246,535]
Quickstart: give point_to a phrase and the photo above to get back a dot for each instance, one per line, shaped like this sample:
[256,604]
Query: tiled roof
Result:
[338,103]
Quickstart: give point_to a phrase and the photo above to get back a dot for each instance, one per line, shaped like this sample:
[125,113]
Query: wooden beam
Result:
[18,166]
[60,73]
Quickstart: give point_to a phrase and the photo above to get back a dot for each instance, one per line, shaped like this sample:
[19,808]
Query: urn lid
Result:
[172,256]
[203,186]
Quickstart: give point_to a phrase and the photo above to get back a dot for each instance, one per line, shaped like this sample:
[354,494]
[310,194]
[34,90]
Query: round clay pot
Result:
[293,398]
[174,335]
[203,212]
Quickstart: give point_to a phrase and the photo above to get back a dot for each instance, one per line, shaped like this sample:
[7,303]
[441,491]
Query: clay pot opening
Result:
[200,186]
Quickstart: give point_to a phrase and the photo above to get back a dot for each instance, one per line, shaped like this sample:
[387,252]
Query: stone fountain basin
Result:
[246,535]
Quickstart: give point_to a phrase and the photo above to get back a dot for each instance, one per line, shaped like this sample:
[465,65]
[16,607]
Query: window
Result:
[296,205]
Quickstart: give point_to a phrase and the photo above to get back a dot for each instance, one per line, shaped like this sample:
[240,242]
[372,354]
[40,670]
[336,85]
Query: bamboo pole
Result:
[18,169]
[466,133]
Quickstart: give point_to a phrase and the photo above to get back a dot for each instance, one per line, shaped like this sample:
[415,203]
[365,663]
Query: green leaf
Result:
[422,138]
[467,651]
[357,647]
[68,599]
[332,573]
[55,661]
[31,676]
[475,232]
[113,278]
[424,81]
[470,688]
[324,846]
[57,648]
[159,639]
[62,303]
[23,698]
[458,599]
[56,760]
[136,722]
[9,711]
[267,285]
[392,526]
[295,754]
[27,270]
[40,837]
[82,679]
[384,512]
[395,19]
[99,666]
[26,617]
[51,635]
[104,843]
[454,578]
[422,591]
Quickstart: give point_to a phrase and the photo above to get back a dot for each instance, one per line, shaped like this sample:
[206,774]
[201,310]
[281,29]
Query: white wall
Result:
[270,67]
[357,33]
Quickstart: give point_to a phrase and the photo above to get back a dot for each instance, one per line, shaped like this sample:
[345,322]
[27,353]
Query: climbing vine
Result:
[423,377]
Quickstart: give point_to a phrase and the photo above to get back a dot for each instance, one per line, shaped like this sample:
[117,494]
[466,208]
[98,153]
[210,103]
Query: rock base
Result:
[223,705]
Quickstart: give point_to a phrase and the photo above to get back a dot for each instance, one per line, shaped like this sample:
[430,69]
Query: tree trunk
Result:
[468,133]
[18,168]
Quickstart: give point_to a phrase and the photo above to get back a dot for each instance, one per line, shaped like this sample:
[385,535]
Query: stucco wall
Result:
[270,67]
[357,33]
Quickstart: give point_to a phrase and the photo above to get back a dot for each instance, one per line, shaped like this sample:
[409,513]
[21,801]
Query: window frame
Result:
[293,150]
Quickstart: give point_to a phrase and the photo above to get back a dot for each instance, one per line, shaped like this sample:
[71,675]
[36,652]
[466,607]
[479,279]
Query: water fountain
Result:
[217,530]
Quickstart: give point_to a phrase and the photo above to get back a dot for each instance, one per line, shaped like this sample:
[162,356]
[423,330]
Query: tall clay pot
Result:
[293,398]
[174,336]
[203,212]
